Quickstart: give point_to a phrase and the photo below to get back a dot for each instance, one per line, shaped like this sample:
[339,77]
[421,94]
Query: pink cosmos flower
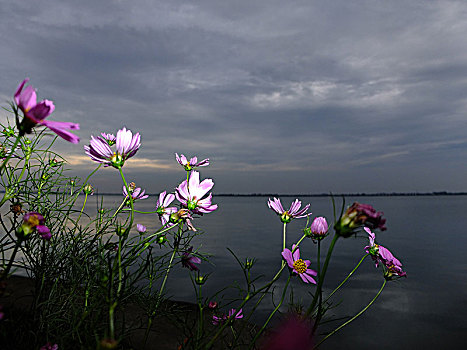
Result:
[126,145]
[319,226]
[136,193]
[192,163]
[189,260]
[293,333]
[141,228]
[358,215]
[49,346]
[299,266]
[382,255]
[163,209]
[193,194]
[110,138]
[294,211]
[34,221]
[233,314]
[35,113]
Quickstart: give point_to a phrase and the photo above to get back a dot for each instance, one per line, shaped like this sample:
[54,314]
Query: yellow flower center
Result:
[300,266]
[33,221]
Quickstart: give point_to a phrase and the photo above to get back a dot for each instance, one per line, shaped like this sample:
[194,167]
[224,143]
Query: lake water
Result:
[426,310]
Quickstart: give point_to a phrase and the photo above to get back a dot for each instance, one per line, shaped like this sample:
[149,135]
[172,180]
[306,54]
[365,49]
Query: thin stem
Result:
[5,273]
[161,290]
[283,235]
[345,280]
[353,318]
[82,208]
[120,207]
[271,315]
[323,274]
[10,154]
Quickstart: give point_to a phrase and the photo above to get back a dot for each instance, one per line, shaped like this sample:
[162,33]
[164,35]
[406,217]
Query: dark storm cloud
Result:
[349,94]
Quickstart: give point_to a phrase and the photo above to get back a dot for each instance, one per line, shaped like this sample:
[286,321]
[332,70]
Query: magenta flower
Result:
[163,209]
[292,333]
[392,266]
[287,215]
[358,215]
[319,226]
[212,304]
[136,193]
[182,215]
[193,194]
[141,228]
[110,138]
[233,315]
[192,163]
[126,145]
[299,266]
[35,113]
[49,346]
[34,221]
[189,260]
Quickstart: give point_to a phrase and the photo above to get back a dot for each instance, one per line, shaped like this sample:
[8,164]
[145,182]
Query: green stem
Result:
[161,290]
[271,315]
[283,235]
[353,318]
[345,280]
[5,273]
[8,194]
[82,208]
[129,195]
[13,148]
[322,275]
[200,324]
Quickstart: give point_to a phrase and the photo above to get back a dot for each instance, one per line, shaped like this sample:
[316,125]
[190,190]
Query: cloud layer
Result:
[282,96]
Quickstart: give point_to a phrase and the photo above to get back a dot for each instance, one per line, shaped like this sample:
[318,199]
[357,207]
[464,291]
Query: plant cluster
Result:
[88,268]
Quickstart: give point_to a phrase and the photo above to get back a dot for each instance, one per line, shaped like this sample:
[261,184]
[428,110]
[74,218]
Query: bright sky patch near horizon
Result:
[283,97]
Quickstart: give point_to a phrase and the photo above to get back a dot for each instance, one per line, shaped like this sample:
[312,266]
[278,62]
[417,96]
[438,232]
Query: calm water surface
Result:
[426,310]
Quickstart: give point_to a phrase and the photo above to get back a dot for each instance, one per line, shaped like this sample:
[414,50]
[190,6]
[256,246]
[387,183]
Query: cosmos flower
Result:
[182,215]
[193,194]
[126,145]
[299,266]
[287,215]
[34,221]
[136,192]
[35,113]
[392,266]
[233,314]
[49,346]
[140,228]
[358,215]
[319,228]
[189,260]
[110,138]
[192,163]
[162,207]
[292,333]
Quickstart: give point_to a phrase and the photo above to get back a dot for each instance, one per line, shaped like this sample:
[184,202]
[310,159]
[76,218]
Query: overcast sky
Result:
[282,96]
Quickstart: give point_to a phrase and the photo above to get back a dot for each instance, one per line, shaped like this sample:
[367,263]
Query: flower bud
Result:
[88,189]
[318,229]
[161,239]
[358,215]
[249,263]
[200,280]
[8,131]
